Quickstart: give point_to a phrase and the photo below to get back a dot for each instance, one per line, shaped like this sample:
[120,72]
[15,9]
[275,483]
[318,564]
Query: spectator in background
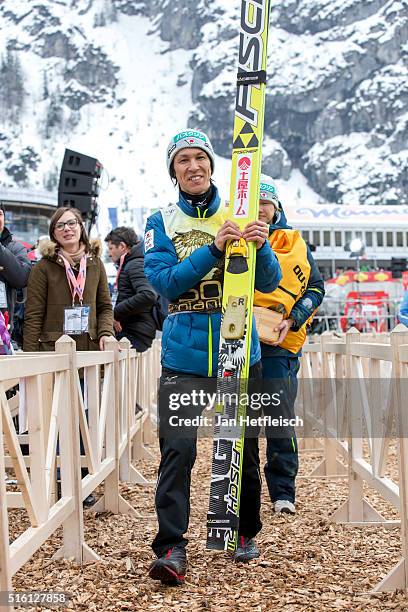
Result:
[403,313]
[15,269]
[133,296]
[300,293]
[68,293]
[68,290]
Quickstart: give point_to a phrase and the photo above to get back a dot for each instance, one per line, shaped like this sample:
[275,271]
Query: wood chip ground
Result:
[307,563]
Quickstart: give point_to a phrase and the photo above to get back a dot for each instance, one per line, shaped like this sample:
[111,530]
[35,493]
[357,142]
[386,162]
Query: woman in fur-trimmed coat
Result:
[49,293]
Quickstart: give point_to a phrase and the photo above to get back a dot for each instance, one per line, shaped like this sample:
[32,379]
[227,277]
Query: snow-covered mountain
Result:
[116,78]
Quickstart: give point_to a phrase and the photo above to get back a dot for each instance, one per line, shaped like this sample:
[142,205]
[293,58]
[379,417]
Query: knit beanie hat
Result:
[268,192]
[193,139]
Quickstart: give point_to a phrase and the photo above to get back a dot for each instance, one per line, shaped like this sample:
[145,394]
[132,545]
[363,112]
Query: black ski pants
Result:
[173,485]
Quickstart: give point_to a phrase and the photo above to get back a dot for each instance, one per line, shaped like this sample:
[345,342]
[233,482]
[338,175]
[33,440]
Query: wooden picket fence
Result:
[67,394]
[352,402]
[348,419]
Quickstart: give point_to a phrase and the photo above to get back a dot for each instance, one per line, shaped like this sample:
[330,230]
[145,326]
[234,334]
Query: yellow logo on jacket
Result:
[188,234]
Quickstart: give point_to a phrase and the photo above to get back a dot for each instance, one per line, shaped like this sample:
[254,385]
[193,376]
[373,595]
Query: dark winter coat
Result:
[135,299]
[15,269]
[48,294]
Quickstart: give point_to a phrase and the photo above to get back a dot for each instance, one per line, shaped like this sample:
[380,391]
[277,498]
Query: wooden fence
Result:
[352,401]
[92,395]
[65,396]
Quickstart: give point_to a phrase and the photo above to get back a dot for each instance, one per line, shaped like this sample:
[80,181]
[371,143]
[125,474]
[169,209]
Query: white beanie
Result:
[268,192]
[193,139]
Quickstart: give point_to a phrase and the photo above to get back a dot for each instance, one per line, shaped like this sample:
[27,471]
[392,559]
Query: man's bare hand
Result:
[283,327]
[257,232]
[117,326]
[228,231]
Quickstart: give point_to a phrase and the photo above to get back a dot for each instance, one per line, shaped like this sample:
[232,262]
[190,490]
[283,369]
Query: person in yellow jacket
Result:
[298,295]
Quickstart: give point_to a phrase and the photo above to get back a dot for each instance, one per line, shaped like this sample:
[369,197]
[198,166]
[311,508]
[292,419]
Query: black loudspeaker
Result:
[85,204]
[78,185]
[77,162]
[71,182]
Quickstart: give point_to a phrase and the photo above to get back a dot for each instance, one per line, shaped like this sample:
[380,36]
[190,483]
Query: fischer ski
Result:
[239,278]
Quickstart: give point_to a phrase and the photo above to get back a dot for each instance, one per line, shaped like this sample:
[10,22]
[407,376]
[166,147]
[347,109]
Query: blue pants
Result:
[282,460]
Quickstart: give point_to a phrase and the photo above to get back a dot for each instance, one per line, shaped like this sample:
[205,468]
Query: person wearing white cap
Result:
[184,262]
[300,292]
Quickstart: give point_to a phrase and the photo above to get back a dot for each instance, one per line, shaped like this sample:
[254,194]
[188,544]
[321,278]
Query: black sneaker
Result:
[246,550]
[89,501]
[171,567]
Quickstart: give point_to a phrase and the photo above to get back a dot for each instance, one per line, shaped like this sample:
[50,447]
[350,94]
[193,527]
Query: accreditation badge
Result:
[3,295]
[76,320]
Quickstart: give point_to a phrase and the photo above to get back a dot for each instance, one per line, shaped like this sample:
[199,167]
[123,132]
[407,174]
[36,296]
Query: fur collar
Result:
[48,248]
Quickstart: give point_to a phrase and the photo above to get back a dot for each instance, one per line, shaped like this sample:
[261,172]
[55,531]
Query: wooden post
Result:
[5,572]
[399,336]
[355,510]
[329,466]
[145,378]
[397,578]
[330,451]
[112,432]
[112,499]
[309,441]
[37,439]
[71,482]
[138,449]
[125,459]
[46,382]
[93,383]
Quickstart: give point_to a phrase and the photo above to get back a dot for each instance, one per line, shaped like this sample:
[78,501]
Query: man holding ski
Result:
[299,294]
[184,261]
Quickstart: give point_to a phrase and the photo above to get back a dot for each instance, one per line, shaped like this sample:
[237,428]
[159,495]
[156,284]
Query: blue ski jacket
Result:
[403,313]
[190,340]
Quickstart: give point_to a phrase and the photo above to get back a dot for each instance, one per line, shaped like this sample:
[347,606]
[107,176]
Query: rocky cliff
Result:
[122,73]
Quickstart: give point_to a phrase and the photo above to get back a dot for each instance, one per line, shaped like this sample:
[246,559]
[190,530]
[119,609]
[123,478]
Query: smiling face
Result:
[192,168]
[67,232]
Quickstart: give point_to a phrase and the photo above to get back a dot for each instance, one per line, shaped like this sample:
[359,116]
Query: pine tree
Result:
[45,91]
[12,92]
[51,179]
[54,114]
[111,11]
[99,20]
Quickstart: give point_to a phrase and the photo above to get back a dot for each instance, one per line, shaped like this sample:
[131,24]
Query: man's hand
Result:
[257,232]
[283,327]
[117,326]
[228,231]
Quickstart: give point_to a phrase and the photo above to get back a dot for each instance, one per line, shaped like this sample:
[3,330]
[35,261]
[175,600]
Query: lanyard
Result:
[121,262]
[76,284]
